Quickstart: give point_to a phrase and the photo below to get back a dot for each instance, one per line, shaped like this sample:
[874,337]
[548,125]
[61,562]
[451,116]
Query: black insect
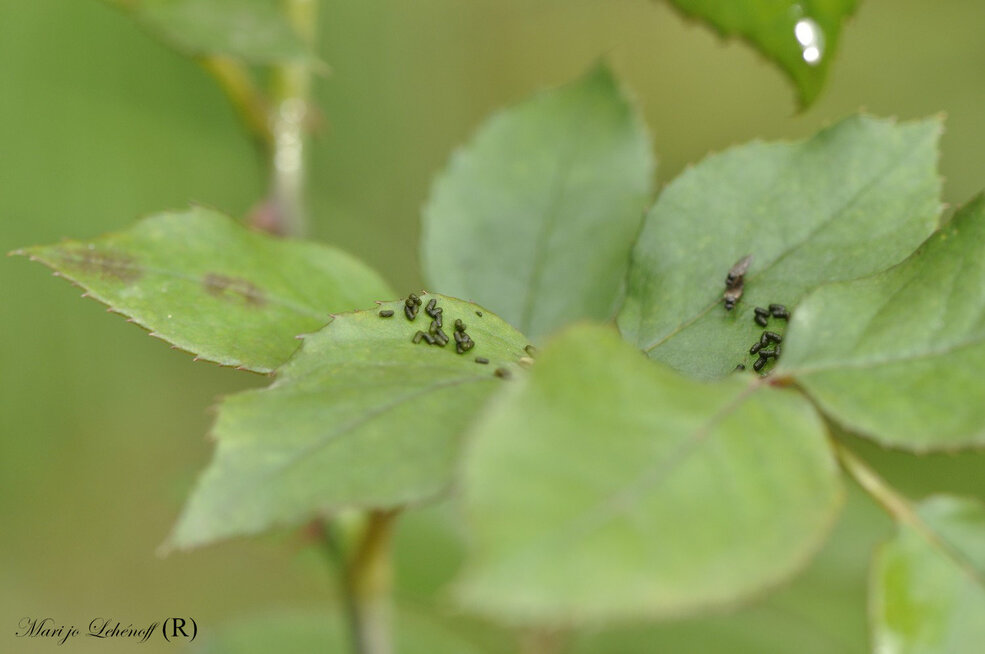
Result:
[756,347]
[772,336]
[432,303]
[429,339]
[410,310]
[437,319]
[735,281]
[459,325]
[417,337]
[761,320]
[386,313]
[412,298]
[531,350]
[740,367]
[760,362]
[768,354]
[482,360]
[441,336]
[503,373]
[779,311]
[760,311]
[478,313]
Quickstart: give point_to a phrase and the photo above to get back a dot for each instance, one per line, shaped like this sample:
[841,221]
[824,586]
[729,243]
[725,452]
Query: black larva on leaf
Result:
[432,303]
[756,347]
[779,311]
[772,336]
[761,320]
[740,367]
[760,362]
[386,313]
[503,373]
[417,337]
[459,325]
[410,310]
[760,311]
[478,313]
[482,360]
[531,350]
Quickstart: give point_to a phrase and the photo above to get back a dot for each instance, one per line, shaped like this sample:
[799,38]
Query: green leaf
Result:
[256,31]
[536,217]
[603,486]
[851,201]
[359,417]
[800,36]
[304,632]
[928,584]
[899,356]
[204,283]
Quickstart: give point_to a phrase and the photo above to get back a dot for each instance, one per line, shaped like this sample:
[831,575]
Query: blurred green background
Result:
[103,429]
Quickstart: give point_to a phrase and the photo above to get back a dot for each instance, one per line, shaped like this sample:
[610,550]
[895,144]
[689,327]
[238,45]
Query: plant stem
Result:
[291,90]
[247,99]
[371,581]
[897,506]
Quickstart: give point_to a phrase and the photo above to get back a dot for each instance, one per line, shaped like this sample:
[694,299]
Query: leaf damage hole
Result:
[225,287]
[107,265]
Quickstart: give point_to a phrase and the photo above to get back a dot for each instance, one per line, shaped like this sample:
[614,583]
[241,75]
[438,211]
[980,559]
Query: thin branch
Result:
[291,89]
[252,105]
[899,507]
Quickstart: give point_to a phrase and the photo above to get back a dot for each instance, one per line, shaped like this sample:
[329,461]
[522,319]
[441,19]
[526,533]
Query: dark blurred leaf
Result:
[307,632]
[537,215]
[800,36]
[899,356]
[928,584]
[201,281]
[603,486]
[360,416]
[852,200]
[256,31]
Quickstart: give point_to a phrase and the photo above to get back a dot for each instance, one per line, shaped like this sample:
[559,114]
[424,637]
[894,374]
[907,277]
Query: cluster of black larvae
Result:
[435,335]
[768,338]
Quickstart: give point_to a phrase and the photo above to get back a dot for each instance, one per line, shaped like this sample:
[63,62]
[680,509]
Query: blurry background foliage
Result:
[103,429]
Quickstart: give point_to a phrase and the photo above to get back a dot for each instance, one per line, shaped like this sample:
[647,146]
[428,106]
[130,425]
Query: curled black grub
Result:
[760,311]
[772,336]
[482,360]
[761,320]
[410,311]
[386,313]
[531,350]
[459,325]
[756,347]
[740,367]
[478,313]
[760,362]
[779,311]
[417,337]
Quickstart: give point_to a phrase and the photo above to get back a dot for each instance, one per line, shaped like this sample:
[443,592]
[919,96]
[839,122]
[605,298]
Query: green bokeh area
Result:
[102,429]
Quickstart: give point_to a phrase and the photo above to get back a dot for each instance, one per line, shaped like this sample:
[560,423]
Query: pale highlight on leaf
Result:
[927,592]
[206,284]
[853,200]
[536,216]
[899,356]
[361,416]
[605,487]
[799,36]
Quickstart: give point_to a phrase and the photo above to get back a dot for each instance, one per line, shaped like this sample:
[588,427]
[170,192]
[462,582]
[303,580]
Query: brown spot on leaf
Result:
[234,288]
[107,265]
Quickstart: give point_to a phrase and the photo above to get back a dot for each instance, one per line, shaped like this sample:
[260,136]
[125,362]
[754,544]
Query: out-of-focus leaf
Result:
[603,486]
[257,31]
[305,632]
[900,356]
[201,281]
[536,217]
[928,584]
[851,201]
[800,36]
[360,417]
